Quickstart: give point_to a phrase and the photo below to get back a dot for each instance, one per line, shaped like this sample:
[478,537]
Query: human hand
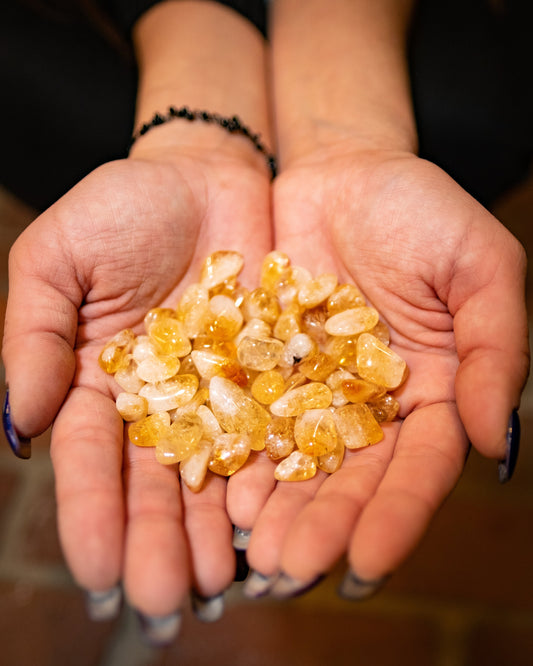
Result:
[127,238]
[448,279]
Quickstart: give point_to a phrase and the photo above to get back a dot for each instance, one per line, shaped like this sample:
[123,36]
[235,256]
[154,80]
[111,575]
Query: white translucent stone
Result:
[158,368]
[352,322]
[300,346]
[219,267]
[170,394]
[316,291]
[131,407]
[259,353]
[194,468]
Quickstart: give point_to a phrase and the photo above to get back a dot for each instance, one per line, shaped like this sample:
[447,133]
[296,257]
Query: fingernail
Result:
[354,588]
[257,585]
[207,609]
[241,538]
[286,587]
[241,566]
[160,630]
[21,446]
[507,466]
[103,606]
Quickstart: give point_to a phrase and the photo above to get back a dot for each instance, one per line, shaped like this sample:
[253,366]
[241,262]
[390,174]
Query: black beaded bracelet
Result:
[231,124]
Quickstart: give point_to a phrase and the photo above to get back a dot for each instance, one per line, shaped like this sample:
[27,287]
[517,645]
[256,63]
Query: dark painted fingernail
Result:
[286,587]
[21,446]
[241,538]
[257,585]
[160,630]
[207,609]
[103,606]
[354,588]
[507,466]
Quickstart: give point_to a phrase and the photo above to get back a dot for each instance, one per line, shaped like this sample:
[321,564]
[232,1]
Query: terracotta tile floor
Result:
[465,598]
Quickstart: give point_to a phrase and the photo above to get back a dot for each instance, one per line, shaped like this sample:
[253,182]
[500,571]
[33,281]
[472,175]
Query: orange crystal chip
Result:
[297,466]
[378,363]
[229,453]
[114,355]
[356,426]
[315,432]
[314,395]
[148,431]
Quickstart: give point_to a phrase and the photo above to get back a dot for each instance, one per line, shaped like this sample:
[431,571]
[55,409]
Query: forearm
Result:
[204,56]
[340,75]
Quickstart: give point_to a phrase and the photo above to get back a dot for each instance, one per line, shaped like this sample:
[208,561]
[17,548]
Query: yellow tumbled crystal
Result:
[194,468]
[356,426]
[158,368]
[378,363]
[131,407]
[314,395]
[210,364]
[352,322]
[274,269]
[315,433]
[149,430]
[359,390]
[344,297]
[143,348]
[297,466]
[344,351]
[381,332]
[330,462]
[224,318]
[169,337]
[384,408]
[314,324]
[192,309]
[192,406]
[335,382]
[289,323]
[260,353]
[261,304]
[254,328]
[288,287]
[268,386]
[210,425]
[318,366]
[114,355]
[127,378]
[156,314]
[219,267]
[236,411]
[317,290]
[180,440]
[170,394]
[229,452]
[279,437]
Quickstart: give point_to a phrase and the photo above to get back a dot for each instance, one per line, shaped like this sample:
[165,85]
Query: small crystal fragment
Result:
[210,425]
[356,427]
[192,309]
[268,386]
[260,353]
[330,462]
[255,328]
[279,437]
[170,394]
[381,332]
[158,368]
[317,367]
[314,323]
[378,363]
[128,379]
[220,266]
[194,468]
[275,268]
[296,467]
[384,408]
[169,337]
[359,390]
[224,319]
[143,348]
[156,314]
[131,407]
[314,395]
[180,440]
[316,291]
[229,452]
[352,322]
[261,304]
[335,382]
[114,355]
[315,433]
[149,430]
[234,410]
[344,351]
[344,297]
[289,323]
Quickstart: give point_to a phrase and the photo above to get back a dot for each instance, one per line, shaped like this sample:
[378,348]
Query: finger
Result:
[490,324]
[320,534]
[86,450]
[209,532]
[156,563]
[428,459]
[249,490]
[40,331]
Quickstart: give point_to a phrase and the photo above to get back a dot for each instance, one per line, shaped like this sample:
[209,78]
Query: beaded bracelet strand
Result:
[231,124]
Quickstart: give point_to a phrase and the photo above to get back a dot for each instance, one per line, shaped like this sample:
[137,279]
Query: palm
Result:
[422,252]
[126,239]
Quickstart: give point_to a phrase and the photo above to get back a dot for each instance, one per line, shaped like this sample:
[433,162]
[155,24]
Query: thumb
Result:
[491,332]
[40,329]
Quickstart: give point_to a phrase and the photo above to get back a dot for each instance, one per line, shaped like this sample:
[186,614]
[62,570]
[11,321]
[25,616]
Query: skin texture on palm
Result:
[129,237]
[448,280]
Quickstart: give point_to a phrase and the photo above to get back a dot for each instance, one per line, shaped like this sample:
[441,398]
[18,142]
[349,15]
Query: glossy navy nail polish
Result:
[21,446]
[507,466]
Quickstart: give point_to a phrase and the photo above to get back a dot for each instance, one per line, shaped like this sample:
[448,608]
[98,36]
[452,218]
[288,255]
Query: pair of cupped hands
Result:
[444,274]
